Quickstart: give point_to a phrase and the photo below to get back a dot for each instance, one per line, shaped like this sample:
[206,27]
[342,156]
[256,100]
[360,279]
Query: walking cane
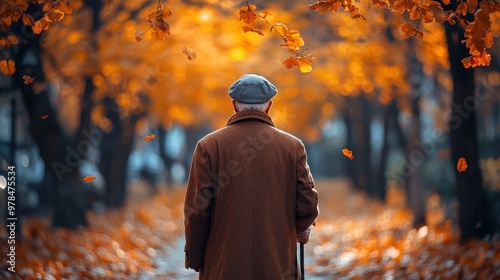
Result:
[302,275]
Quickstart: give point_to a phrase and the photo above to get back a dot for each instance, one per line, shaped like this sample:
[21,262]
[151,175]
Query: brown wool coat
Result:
[249,190]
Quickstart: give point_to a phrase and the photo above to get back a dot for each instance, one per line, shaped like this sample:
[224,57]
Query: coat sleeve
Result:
[307,209]
[197,208]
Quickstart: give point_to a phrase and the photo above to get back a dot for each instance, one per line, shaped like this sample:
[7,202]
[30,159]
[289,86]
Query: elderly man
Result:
[250,194]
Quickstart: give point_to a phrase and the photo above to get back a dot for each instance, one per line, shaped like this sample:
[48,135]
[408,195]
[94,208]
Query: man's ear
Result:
[268,107]
[235,108]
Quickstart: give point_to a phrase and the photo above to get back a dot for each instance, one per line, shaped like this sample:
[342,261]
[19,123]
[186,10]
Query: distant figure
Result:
[250,195]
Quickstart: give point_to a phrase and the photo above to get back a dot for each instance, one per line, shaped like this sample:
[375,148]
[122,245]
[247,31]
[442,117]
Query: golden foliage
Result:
[292,39]
[478,32]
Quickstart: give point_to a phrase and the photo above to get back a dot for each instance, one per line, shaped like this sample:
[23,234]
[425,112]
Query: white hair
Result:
[247,106]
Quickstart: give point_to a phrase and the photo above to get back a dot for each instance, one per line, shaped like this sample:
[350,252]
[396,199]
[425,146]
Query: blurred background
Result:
[98,92]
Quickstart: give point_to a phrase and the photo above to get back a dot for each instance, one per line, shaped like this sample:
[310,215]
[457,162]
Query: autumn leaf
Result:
[40,25]
[89,179]
[44,117]
[156,19]
[9,41]
[189,52]
[7,67]
[325,6]
[293,41]
[149,137]
[65,7]
[461,165]
[251,29]
[247,14]
[139,35]
[28,80]
[303,62]
[348,153]
[482,59]
[28,20]
[410,30]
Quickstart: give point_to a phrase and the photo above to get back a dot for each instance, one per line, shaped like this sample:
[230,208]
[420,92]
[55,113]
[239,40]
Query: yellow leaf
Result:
[293,41]
[7,67]
[305,63]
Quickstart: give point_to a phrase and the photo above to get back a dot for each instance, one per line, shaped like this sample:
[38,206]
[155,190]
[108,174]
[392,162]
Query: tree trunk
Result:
[357,120]
[57,151]
[115,151]
[415,159]
[162,135]
[474,215]
[390,112]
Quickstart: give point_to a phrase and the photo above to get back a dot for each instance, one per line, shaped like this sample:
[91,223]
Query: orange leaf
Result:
[250,29]
[44,117]
[305,63]
[247,14]
[347,153]
[293,41]
[139,35]
[410,30]
[7,67]
[191,54]
[28,80]
[89,179]
[461,165]
[149,137]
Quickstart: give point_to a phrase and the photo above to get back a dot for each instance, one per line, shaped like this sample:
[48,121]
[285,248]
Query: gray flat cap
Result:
[252,89]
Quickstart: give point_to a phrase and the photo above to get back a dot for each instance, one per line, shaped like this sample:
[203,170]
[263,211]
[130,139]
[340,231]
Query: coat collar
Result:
[250,115]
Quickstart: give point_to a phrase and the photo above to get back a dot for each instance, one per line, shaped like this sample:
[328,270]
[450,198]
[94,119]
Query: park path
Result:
[170,259]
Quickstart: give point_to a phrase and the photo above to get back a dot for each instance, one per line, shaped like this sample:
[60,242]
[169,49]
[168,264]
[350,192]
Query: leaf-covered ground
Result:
[355,238]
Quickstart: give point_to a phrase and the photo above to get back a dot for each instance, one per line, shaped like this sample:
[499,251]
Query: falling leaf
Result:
[89,179]
[347,153]
[7,67]
[251,29]
[149,137]
[139,35]
[461,165]
[247,14]
[44,117]
[28,80]
[191,54]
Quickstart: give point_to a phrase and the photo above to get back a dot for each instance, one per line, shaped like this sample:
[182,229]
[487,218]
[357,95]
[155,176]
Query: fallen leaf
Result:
[28,80]
[149,137]
[89,179]
[461,165]
[191,54]
[44,117]
[347,153]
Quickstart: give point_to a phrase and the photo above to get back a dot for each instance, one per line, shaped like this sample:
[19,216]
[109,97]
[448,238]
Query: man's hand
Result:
[303,236]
